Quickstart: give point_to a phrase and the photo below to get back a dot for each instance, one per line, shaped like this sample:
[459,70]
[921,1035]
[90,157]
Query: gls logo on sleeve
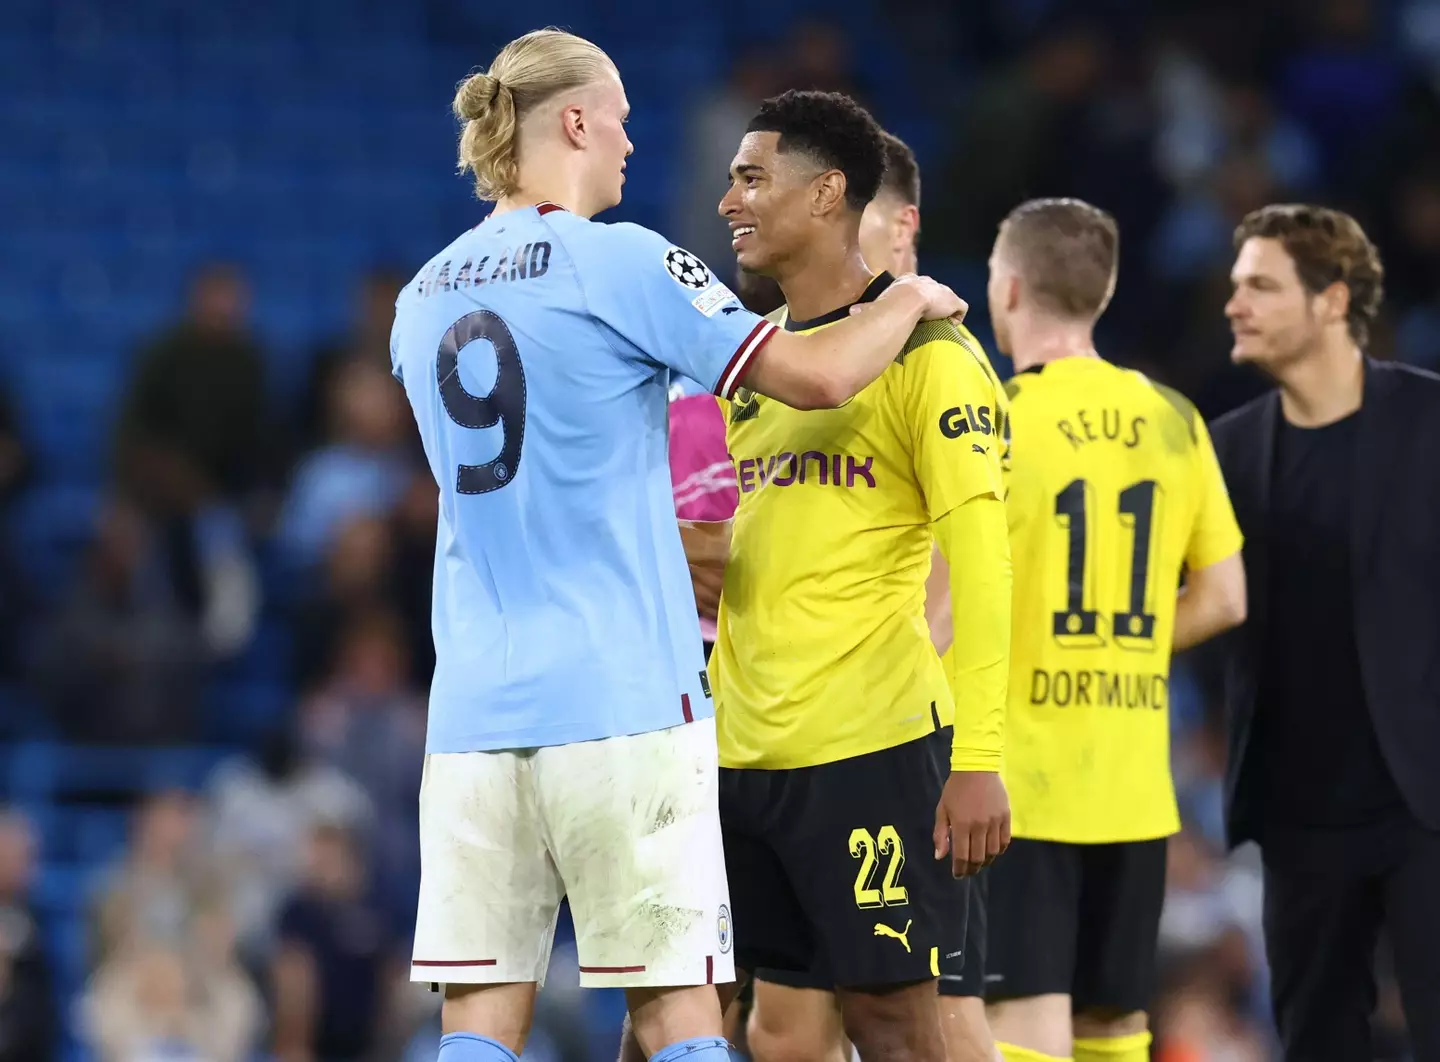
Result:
[955,421]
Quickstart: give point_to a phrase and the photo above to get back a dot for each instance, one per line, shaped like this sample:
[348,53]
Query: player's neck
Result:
[562,189]
[1036,343]
[823,280]
[1325,386]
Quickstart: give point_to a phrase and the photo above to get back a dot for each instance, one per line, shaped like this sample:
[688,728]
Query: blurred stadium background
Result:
[215,563]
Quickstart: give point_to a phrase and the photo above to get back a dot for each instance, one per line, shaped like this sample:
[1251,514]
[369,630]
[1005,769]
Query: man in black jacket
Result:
[1332,687]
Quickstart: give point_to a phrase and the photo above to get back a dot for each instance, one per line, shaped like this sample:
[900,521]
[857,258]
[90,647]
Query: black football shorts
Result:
[832,870]
[1076,919]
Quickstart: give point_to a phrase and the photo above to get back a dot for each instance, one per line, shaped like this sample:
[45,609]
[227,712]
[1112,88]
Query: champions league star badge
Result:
[687,269]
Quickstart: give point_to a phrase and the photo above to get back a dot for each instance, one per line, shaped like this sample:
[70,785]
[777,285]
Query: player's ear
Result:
[1012,292]
[828,191]
[572,125]
[909,221]
[1335,302]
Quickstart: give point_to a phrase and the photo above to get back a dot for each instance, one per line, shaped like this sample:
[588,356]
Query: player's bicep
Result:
[956,426]
[669,308]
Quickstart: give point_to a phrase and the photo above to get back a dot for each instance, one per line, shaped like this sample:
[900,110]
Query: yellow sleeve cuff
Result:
[975,760]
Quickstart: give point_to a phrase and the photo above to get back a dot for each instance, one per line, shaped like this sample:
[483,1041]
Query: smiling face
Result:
[770,206]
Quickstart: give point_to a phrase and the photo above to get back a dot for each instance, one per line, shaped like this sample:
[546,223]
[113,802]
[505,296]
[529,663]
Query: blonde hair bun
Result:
[528,71]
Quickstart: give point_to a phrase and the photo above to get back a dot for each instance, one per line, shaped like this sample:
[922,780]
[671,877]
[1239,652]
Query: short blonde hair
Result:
[527,72]
[1068,251]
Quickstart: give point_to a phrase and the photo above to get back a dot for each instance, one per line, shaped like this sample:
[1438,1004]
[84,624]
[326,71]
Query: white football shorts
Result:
[627,827]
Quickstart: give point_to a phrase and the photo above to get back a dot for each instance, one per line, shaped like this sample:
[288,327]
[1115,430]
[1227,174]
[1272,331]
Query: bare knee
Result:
[1105,1024]
[795,1043]
[899,1025]
[794,1025]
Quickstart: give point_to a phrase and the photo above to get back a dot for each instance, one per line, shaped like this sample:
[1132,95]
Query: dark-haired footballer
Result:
[847,773]
[794,1016]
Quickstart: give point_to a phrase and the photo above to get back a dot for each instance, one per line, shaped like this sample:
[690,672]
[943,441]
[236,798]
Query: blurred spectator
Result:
[1342,84]
[27,994]
[196,443]
[1196,1024]
[262,811]
[1024,120]
[714,129]
[155,1002]
[236,1014]
[368,721]
[358,575]
[15,467]
[374,562]
[820,58]
[1194,235]
[1205,897]
[1412,264]
[368,340]
[164,878]
[121,661]
[415,521]
[335,975]
[362,471]
[1198,766]
[15,470]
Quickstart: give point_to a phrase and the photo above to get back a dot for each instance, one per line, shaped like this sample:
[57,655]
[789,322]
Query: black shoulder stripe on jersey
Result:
[946,331]
[1183,406]
[930,332]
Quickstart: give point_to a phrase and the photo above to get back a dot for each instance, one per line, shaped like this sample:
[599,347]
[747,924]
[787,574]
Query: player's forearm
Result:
[975,540]
[825,369]
[1211,602]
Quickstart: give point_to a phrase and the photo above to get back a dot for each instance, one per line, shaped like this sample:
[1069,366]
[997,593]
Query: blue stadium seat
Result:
[44,772]
[52,523]
[241,712]
[62,892]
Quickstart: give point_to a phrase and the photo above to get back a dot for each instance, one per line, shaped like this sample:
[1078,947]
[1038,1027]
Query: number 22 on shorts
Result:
[866,847]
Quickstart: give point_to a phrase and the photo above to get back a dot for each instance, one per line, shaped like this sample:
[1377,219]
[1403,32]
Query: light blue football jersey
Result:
[537,352]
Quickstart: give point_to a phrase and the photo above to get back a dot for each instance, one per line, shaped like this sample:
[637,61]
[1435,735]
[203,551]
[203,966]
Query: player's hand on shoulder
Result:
[972,821]
[938,300]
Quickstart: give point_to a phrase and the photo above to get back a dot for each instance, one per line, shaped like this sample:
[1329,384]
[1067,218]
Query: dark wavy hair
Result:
[1327,246]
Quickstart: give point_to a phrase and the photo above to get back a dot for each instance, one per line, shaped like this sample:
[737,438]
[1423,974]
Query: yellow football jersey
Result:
[823,652]
[1114,487]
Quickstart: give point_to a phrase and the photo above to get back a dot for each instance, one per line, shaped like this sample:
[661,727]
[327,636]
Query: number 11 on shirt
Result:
[1078,624]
